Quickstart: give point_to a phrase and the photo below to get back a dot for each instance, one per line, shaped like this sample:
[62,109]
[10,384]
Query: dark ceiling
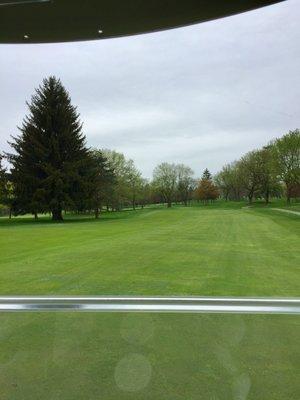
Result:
[38,21]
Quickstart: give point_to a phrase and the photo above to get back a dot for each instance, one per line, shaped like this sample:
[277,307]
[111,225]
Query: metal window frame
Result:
[220,305]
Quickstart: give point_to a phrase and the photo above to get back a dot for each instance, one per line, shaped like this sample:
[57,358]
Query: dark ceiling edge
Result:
[147,32]
[177,26]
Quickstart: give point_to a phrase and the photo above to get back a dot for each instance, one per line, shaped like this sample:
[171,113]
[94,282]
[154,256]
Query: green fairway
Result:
[222,249]
[189,251]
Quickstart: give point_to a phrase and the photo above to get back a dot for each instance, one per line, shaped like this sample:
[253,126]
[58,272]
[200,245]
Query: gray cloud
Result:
[201,95]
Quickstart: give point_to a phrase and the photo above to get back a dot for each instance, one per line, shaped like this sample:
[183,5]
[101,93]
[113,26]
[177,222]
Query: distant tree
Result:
[103,181]
[206,175]
[295,191]
[118,164]
[135,183]
[152,194]
[206,190]
[185,183]
[286,153]
[3,185]
[223,181]
[129,181]
[250,172]
[2,179]
[50,163]
[268,182]
[146,195]
[9,197]
[229,182]
[165,181]
[6,189]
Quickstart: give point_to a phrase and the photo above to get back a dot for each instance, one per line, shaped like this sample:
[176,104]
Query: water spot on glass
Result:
[213,396]
[241,387]
[233,331]
[225,358]
[133,373]
[137,329]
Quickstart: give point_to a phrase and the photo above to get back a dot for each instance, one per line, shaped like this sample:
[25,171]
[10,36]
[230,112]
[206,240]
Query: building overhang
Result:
[45,21]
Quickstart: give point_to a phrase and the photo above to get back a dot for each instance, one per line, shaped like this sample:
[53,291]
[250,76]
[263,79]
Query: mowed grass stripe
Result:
[190,251]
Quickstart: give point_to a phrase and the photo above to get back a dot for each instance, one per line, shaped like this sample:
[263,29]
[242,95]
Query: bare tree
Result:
[249,168]
[135,182]
[185,183]
[229,182]
[268,181]
[128,179]
[165,181]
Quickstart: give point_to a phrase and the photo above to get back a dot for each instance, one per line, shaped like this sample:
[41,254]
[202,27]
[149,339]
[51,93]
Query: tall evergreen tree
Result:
[206,175]
[50,164]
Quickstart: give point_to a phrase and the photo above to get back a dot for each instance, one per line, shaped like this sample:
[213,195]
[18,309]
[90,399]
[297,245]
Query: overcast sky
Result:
[201,95]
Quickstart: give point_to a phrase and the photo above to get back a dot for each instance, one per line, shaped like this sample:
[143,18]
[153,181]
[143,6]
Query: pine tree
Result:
[206,175]
[51,163]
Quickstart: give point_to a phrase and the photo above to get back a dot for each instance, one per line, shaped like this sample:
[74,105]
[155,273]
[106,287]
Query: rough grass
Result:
[221,249]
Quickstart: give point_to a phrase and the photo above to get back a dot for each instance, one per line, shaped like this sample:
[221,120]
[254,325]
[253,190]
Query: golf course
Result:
[215,250]
[222,249]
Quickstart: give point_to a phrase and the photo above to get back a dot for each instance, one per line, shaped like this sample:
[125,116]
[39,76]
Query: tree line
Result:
[51,169]
[272,171]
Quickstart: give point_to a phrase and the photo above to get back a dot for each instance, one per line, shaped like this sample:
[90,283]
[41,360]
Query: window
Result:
[149,201]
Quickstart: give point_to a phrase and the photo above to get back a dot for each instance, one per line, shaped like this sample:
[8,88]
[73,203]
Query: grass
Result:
[181,251]
[217,250]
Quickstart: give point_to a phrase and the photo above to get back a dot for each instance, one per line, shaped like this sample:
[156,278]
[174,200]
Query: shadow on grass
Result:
[72,218]
[129,213]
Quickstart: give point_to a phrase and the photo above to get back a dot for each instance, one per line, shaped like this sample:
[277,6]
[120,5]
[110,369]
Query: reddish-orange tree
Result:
[206,190]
